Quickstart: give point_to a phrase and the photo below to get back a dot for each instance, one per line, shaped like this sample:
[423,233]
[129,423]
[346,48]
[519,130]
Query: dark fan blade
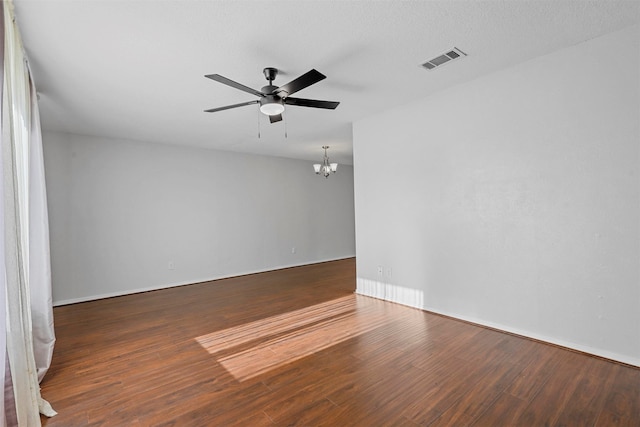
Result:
[301,102]
[300,83]
[226,81]
[276,118]
[213,110]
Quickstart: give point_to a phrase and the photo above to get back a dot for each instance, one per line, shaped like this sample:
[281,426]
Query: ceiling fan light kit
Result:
[325,168]
[273,98]
[271,105]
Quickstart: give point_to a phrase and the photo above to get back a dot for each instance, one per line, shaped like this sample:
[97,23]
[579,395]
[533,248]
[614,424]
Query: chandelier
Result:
[325,168]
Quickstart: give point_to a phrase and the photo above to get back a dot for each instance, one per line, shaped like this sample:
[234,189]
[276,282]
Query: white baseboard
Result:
[87,298]
[413,298]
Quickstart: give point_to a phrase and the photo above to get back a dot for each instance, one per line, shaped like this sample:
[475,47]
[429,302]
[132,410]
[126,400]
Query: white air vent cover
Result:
[445,58]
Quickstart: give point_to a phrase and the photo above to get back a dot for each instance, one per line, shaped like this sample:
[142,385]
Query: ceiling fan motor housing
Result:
[268,89]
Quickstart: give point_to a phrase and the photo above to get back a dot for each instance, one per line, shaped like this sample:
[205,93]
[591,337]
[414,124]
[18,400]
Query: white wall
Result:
[122,211]
[514,200]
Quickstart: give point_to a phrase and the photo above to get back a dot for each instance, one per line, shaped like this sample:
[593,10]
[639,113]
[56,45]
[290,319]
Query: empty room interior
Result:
[333,213]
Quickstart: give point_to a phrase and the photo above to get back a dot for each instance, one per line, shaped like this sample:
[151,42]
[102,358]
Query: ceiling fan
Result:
[273,98]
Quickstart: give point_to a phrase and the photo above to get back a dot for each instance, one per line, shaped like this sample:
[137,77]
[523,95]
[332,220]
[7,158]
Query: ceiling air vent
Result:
[446,57]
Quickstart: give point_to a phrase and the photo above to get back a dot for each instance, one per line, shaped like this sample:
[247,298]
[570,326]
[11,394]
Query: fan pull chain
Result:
[258,123]
[285,126]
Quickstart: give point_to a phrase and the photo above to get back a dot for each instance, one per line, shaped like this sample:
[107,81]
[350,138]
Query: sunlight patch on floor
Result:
[251,349]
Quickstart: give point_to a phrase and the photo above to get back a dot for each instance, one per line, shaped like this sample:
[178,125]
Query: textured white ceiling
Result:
[134,69]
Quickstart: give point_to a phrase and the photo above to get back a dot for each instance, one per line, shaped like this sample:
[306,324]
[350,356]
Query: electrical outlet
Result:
[293,250]
[171,265]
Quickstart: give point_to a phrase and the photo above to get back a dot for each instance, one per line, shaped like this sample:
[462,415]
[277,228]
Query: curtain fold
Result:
[39,256]
[4,365]
[29,313]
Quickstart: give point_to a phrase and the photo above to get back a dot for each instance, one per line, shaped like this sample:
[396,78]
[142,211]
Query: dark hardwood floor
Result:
[298,347]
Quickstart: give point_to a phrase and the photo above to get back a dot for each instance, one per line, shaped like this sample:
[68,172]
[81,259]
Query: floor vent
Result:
[445,58]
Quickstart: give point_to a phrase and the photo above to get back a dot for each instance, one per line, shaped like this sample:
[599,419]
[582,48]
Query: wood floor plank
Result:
[611,419]
[553,399]
[505,410]
[542,362]
[480,396]
[623,399]
[298,347]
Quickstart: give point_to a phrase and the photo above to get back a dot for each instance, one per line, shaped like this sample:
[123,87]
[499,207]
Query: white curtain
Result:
[29,315]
